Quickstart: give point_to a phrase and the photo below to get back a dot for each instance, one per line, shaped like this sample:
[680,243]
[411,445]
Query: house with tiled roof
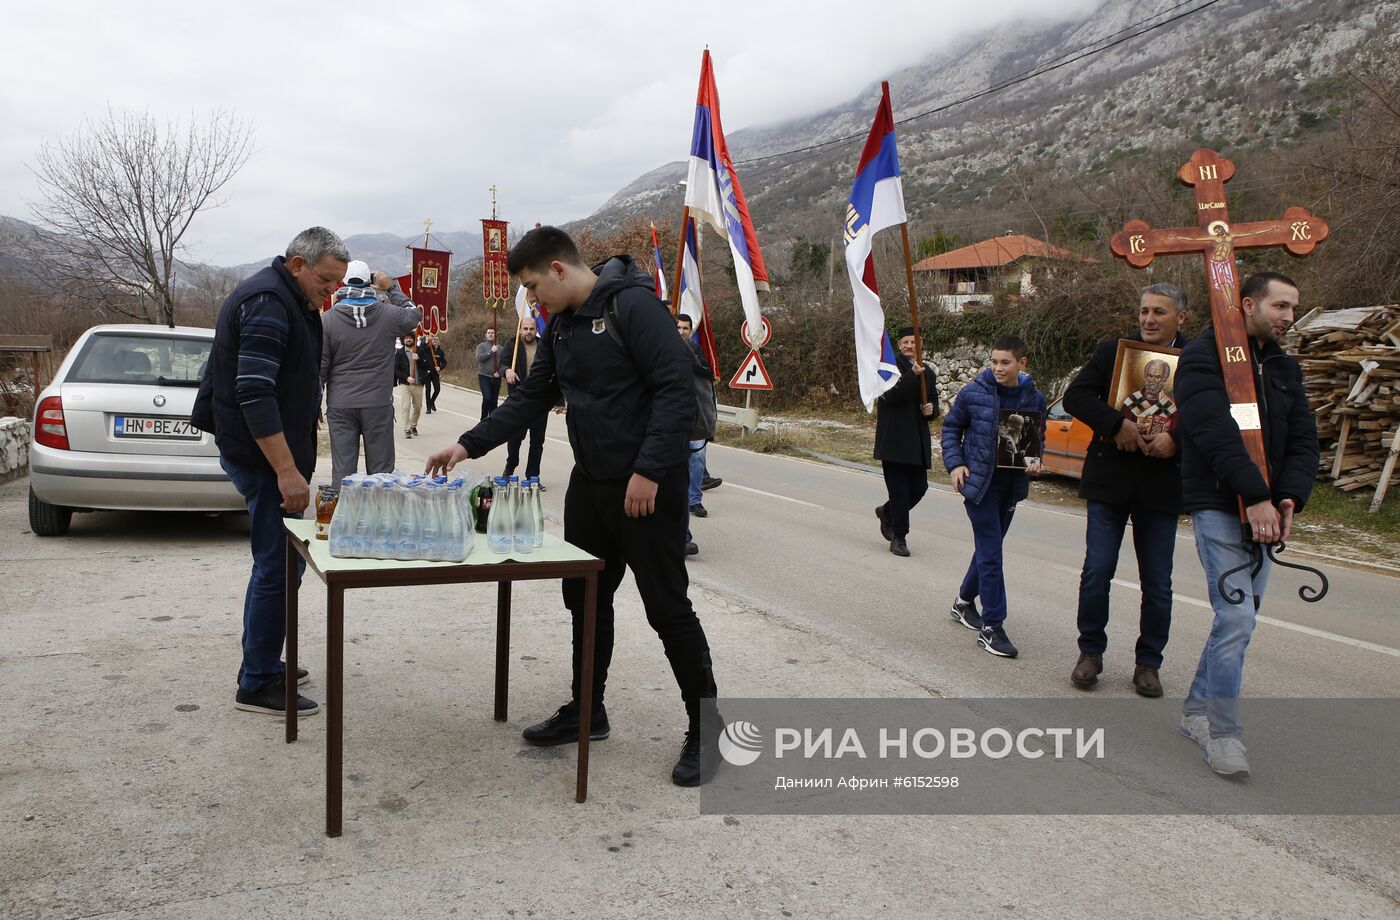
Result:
[973,275]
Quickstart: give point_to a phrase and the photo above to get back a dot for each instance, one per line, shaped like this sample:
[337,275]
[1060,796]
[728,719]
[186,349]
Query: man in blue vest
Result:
[261,398]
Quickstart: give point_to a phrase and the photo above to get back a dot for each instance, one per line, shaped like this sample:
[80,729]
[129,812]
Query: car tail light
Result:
[49,427]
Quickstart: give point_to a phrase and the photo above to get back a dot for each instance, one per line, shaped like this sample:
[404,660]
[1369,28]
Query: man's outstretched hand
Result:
[444,460]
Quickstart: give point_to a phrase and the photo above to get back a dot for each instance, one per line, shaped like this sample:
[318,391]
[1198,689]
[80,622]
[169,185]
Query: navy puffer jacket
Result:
[970,431]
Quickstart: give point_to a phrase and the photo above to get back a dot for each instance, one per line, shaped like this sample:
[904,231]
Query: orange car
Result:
[1066,441]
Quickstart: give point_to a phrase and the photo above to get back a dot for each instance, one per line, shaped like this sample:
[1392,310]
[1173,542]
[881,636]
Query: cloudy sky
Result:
[370,116]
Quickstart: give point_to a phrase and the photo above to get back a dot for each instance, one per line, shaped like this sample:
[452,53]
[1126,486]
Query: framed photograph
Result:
[1018,439]
[1143,380]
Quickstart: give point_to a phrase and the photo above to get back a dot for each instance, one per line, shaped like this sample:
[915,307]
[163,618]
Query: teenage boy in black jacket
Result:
[631,406]
[1128,475]
[1217,476]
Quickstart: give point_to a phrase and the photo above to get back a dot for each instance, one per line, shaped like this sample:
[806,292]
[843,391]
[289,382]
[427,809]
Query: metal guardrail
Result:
[746,419]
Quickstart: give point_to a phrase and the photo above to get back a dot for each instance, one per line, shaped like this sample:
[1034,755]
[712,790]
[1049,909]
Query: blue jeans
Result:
[990,521]
[696,469]
[1154,543]
[1215,693]
[264,604]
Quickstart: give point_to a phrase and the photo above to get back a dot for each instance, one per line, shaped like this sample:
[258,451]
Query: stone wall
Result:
[14,448]
[957,366]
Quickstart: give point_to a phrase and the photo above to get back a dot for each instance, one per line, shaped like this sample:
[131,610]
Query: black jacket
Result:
[901,430]
[427,370]
[630,408]
[298,376]
[401,368]
[1215,468]
[1119,477]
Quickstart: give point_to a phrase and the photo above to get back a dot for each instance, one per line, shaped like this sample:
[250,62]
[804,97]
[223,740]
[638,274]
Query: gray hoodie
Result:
[357,350]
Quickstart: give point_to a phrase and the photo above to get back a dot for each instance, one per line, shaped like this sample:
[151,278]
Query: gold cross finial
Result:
[494,190]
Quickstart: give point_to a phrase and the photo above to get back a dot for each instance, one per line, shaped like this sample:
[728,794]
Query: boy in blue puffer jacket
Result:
[970,433]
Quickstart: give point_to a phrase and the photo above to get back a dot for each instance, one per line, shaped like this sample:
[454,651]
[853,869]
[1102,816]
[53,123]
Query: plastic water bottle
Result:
[500,528]
[454,527]
[360,541]
[343,523]
[524,519]
[410,525]
[386,521]
[430,523]
[537,510]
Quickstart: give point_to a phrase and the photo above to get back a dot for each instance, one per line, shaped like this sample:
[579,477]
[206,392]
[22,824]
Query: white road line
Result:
[1305,630]
[795,501]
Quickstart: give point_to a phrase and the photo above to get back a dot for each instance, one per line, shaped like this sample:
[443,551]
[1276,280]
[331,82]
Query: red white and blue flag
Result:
[692,304]
[712,191]
[877,202]
[524,308]
[660,277]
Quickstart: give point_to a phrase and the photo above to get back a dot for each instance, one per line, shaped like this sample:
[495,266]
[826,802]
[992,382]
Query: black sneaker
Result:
[698,510]
[272,699]
[407,433]
[562,727]
[691,549]
[993,639]
[698,761]
[415,431]
[709,482]
[885,530]
[965,612]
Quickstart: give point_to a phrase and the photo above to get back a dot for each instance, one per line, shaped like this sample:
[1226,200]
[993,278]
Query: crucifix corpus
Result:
[1216,239]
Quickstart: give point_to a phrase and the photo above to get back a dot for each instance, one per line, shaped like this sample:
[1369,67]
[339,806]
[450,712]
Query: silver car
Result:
[112,431]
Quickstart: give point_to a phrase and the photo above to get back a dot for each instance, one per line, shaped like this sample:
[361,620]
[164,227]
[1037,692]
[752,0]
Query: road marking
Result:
[795,501]
[1305,630]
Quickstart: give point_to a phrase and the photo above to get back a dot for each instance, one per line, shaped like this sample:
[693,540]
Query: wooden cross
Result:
[1298,232]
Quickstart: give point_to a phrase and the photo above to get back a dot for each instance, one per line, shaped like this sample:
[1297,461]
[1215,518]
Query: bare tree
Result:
[119,197]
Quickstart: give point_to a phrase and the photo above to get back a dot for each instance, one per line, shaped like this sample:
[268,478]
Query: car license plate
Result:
[138,426]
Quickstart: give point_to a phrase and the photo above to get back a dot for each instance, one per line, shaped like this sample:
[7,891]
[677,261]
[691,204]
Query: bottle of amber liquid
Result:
[326,497]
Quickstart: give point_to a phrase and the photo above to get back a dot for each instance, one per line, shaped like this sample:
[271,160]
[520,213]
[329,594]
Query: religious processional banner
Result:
[495,277]
[430,276]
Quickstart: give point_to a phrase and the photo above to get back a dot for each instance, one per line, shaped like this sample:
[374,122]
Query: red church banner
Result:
[430,276]
[495,278]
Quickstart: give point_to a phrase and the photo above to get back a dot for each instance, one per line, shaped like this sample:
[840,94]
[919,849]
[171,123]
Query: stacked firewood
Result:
[1351,367]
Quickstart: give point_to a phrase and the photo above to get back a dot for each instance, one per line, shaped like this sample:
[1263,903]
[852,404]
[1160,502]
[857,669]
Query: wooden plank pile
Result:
[1351,367]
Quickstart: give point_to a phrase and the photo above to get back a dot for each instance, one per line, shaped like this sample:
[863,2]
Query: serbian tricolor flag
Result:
[712,191]
[524,308]
[693,304]
[660,278]
[877,202]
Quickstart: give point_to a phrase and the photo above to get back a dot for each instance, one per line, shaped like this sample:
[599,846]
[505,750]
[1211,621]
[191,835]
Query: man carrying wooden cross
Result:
[1218,475]
[1249,442]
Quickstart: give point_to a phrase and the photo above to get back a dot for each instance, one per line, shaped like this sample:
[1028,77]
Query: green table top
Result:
[553,550]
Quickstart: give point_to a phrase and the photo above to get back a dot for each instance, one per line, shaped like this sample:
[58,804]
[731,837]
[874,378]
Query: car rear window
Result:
[137,359]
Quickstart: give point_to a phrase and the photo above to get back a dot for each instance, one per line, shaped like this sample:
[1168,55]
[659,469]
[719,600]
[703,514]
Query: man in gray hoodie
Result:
[357,368]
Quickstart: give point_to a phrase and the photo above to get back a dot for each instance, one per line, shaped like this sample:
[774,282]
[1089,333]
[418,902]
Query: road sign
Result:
[764,337]
[752,375]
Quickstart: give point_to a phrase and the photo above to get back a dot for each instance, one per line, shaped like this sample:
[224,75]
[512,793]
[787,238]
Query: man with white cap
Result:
[357,368]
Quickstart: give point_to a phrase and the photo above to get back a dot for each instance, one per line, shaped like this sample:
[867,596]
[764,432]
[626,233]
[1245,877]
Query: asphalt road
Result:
[798,541]
[130,786]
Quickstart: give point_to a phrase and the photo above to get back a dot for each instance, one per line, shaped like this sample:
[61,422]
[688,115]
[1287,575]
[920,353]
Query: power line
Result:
[1069,57]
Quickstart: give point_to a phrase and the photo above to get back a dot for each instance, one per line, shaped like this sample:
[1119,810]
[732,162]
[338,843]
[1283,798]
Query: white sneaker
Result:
[1226,756]
[1197,728]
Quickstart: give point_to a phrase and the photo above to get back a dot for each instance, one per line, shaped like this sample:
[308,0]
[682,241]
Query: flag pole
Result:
[680,260]
[515,346]
[914,311]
